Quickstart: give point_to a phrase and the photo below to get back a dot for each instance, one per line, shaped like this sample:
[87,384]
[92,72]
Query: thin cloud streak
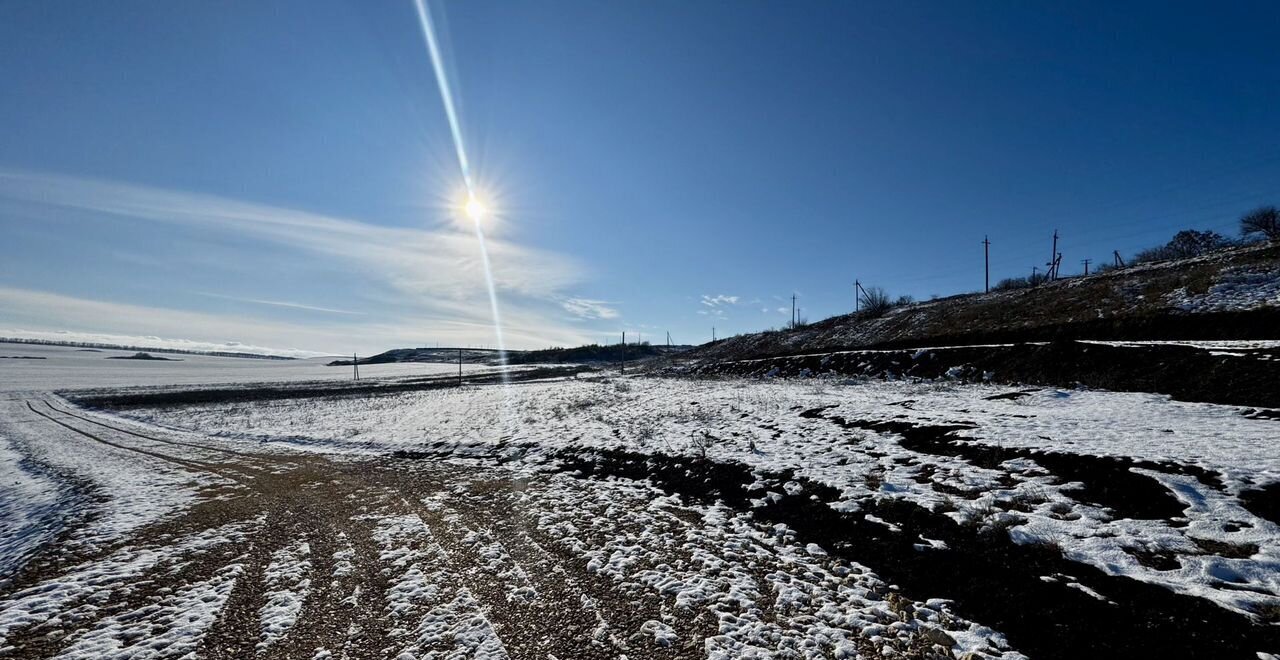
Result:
[44,312]
[151,341]
[444,256]
[431,276]
[280,303]
[589,309]
[719,300]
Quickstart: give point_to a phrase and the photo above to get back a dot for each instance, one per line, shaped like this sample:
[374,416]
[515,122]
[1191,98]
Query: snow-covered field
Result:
[567,518]
[759,424]
[65,367]
[1237,288]
[294,555]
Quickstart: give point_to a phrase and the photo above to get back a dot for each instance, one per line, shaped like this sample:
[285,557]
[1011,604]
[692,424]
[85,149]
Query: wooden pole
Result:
[459,367]
[355,367]
[1086,266]
[986,258]
[624,351]
[1053,258]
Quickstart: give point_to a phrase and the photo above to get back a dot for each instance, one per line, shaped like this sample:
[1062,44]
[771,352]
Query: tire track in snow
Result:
[233,631]
[151,437]
[183,463]
[584,604]
[47,618]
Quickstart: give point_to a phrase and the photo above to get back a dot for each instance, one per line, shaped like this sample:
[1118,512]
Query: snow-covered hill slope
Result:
[1231,294]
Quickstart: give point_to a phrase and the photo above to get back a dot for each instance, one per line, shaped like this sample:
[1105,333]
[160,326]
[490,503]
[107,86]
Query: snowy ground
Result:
[1236,288]
[758,424]
[279,554]
[60,367]
[495,522]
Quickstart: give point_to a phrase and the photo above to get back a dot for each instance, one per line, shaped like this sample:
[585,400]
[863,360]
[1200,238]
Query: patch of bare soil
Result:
[348,605]
[1025,591]
[1244,378]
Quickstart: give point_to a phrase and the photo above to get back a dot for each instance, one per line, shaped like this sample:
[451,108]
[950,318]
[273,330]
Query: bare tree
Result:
[1264,222]
[875,302]
[1186,243]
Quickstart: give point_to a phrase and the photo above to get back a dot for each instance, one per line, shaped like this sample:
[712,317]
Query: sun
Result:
[475,209]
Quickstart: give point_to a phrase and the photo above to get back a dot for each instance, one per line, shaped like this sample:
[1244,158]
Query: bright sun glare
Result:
[475,209]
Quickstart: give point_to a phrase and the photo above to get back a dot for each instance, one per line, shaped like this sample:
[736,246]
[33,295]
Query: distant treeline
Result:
[434,355]
[593,353]
[149,349]
[1260,225]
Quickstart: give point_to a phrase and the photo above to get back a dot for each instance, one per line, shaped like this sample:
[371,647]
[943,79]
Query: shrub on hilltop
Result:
[1262,222]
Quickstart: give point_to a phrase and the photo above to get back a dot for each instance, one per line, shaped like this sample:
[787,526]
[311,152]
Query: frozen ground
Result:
[61,367]
[1222,345]
[278,554]
[640,518]
[760,425]
[1236,288]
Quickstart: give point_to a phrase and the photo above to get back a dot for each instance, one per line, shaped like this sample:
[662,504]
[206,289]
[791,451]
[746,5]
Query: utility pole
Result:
[793,311]
[1055,262]
[355,366]
[1119,263]
[1086,263]
[858,294]
[713,333]
[986,257]
[624,351]
[1053,257]
[459,367]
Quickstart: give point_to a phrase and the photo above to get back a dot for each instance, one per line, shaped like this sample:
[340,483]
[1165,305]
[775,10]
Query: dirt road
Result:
[294,555]
[302,556]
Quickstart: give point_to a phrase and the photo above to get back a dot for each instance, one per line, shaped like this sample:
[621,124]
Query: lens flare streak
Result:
[473,206]
[446,94]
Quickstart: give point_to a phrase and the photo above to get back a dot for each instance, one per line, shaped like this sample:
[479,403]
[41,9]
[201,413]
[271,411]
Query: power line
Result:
[1020,255]
[1230,204]
[1233,200]
[1199,178]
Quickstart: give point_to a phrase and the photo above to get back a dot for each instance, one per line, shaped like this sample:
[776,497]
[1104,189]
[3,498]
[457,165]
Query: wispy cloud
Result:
[429,279]
[152,341]
[589,309]
[715,305]
[719,300]
[280,303]
[74,319]
[36,314]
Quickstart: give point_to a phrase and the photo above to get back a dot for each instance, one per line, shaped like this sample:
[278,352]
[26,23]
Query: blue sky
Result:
[281,174]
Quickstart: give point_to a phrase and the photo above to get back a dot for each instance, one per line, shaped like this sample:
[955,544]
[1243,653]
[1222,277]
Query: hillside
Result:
[595,353]
[1230,294]
[99,346]
[577,355]
[446,355]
